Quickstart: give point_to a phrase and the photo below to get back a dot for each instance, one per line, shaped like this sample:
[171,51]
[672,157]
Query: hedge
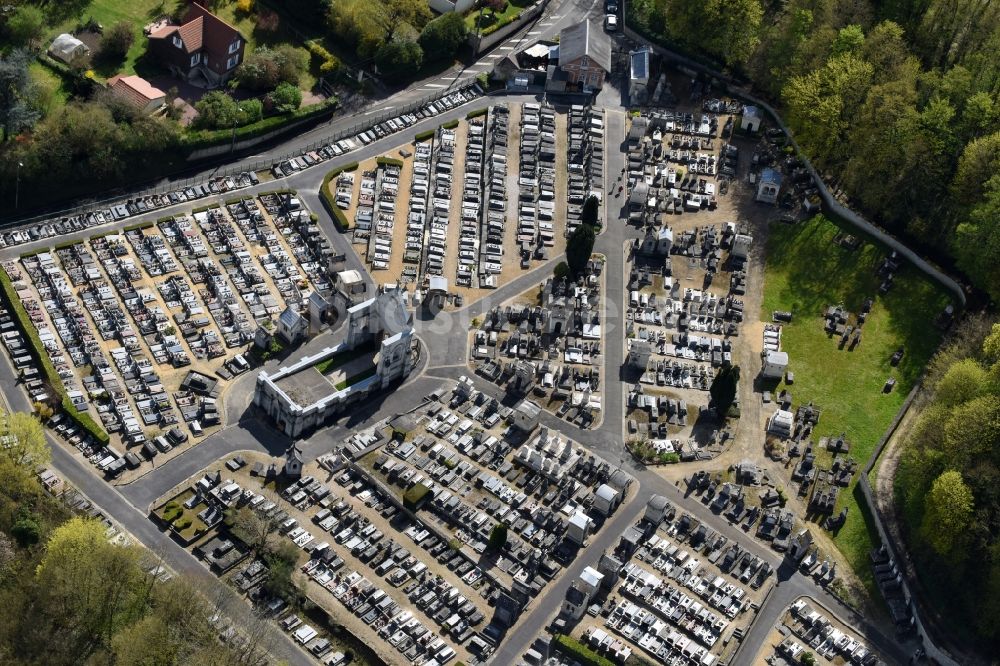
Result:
[475,114]
[165,218]
[279,192]
[38,352]
[388,161]
[327,197]
[202,209]
[580,652]
[208,138]
[423,136]
[451,124]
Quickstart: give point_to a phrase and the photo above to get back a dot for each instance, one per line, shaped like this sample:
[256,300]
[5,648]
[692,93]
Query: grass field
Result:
[806,271]
[489,18]
[109,12]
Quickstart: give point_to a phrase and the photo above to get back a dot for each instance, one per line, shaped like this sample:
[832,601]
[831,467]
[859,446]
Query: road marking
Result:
[493,55]
[505,48]
[435,85]
[535,32]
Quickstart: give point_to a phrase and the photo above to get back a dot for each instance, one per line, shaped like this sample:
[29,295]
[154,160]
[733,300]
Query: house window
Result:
[177,41]
[232,62]
[235,46]
[195,59]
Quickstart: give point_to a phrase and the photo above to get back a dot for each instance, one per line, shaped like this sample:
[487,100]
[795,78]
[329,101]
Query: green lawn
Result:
[109,12]
[55,96]
[806,272]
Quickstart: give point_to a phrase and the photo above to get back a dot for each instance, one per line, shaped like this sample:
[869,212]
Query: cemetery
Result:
[480,465]
[826,420]
[465,232]
[808,628]
[546,345]
[146,327]
[671,590]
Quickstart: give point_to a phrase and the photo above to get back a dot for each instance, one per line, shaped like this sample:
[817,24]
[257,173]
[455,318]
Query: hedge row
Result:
[451,124]
[208,138]
[327,197]
[388,161]
[41,356]
[475,114]
[580,652]
[279,192]
[423,136]
[202,209]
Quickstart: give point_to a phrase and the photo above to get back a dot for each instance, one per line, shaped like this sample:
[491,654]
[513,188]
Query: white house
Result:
[769,186]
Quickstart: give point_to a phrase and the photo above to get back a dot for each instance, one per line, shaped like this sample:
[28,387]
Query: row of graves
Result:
[130,393]
[495,194]
[436,223]
[129,208]
[672,588]
[379,247]
[472,253]
[537,181]
[551,350]
[585,160]
[550,492]
[679,336]
[364,214]
[818,484]
[417,217]
[675,162]
[813,632]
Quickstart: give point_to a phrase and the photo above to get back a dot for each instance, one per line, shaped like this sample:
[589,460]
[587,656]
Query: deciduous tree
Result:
[948,513]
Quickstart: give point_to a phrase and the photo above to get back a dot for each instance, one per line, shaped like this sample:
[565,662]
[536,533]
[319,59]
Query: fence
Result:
[179,180]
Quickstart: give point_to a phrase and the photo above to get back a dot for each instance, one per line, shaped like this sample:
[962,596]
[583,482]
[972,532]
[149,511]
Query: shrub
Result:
[399,58]
[182,524]
[26,25]
[26,531]
[475,114]
[117,40]
[267,21]
[244,6]
[327,197]
[328,63]
[443,36]
[388,161]
[561,270]
[265,68]
[580,652]
[451,124]
[285,98]
[423,136]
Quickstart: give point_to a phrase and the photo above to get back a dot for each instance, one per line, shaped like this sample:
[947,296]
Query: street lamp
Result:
[17,186]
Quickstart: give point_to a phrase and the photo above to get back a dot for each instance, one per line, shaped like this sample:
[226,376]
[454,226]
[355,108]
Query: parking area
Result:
[146,327]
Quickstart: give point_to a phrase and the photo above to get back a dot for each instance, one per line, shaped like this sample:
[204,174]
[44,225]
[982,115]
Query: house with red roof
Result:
[203,49]
[137,92]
